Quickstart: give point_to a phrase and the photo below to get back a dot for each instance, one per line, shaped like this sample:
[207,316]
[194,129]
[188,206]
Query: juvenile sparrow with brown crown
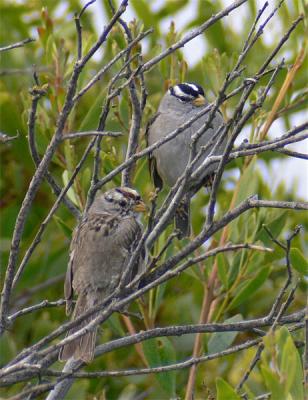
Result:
[167,163]
[101,248]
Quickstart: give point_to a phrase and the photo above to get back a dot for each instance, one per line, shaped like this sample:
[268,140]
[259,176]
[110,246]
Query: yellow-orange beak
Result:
[199,101]
[140,207]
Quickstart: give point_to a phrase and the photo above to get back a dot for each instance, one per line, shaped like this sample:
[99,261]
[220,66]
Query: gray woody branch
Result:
[16,45]
[243,326]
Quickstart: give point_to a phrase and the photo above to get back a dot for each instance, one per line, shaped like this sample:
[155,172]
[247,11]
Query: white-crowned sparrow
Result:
[101,248]
[167,163]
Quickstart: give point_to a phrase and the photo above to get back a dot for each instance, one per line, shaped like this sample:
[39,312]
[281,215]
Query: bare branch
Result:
[4,138]
[292,153]
[36,94]
[42,304]
[18,44]
[74,135]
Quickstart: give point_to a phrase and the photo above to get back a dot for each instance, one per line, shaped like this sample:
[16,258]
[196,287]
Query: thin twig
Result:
[74,135]
[36,94]
[39,306]
[18,44]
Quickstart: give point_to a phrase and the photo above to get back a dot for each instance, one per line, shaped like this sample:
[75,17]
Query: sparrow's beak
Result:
[140,207]
[199,101]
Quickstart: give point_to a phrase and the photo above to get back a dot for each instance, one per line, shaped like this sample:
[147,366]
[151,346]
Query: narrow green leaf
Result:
[248,183]
[222,340]
[90,120]
[234,268]
[222,270]
[171,7]
[159,352]
[115,325]
[257,259]
[250,288]
[70,193]
[86,179]
[195,272]
[159,296]
[144,12]
[69,153]
[288,364]
[272,383]
[225,391]
[128,393]
[291,367]
[64,227]
[275,225]
[298,261]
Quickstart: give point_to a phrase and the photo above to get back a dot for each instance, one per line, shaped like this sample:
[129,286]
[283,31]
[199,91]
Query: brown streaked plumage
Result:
[101,248]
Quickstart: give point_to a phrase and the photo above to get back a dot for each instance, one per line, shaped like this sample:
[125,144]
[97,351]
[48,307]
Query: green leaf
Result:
[256,260]
[275,226]
[291,367]
[195,272]
[222,340]
[128,393]
[250,288]
[288,363]
[49,49]
[159,297]
[70,193]
[222,270]
[298,261]
[115,325]
[225,391]
[69,153]
[79,392]
[86,179]
[171,7]
[281,366]
[145,14]
[247,184]
[272,383]
[234,269]
[159,352]
[64,227]
[91,118]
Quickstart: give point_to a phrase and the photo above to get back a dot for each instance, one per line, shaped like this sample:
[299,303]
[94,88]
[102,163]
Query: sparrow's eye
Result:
[123,203]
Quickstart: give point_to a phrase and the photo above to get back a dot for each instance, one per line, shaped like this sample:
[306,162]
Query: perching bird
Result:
[167,163]
[101,248]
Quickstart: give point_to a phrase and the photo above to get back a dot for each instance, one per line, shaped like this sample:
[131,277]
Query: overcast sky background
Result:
[290,170]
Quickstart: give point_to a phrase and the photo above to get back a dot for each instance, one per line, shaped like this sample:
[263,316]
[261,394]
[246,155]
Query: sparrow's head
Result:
[120,200]
[187,93]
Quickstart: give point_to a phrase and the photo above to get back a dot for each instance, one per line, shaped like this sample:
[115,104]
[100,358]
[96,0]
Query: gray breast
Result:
[172,157]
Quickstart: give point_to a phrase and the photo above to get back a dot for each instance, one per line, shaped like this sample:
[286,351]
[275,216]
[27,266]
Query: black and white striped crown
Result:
[186,91]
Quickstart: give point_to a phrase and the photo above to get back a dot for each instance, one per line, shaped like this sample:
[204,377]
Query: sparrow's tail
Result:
[182,217]
[83,347]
